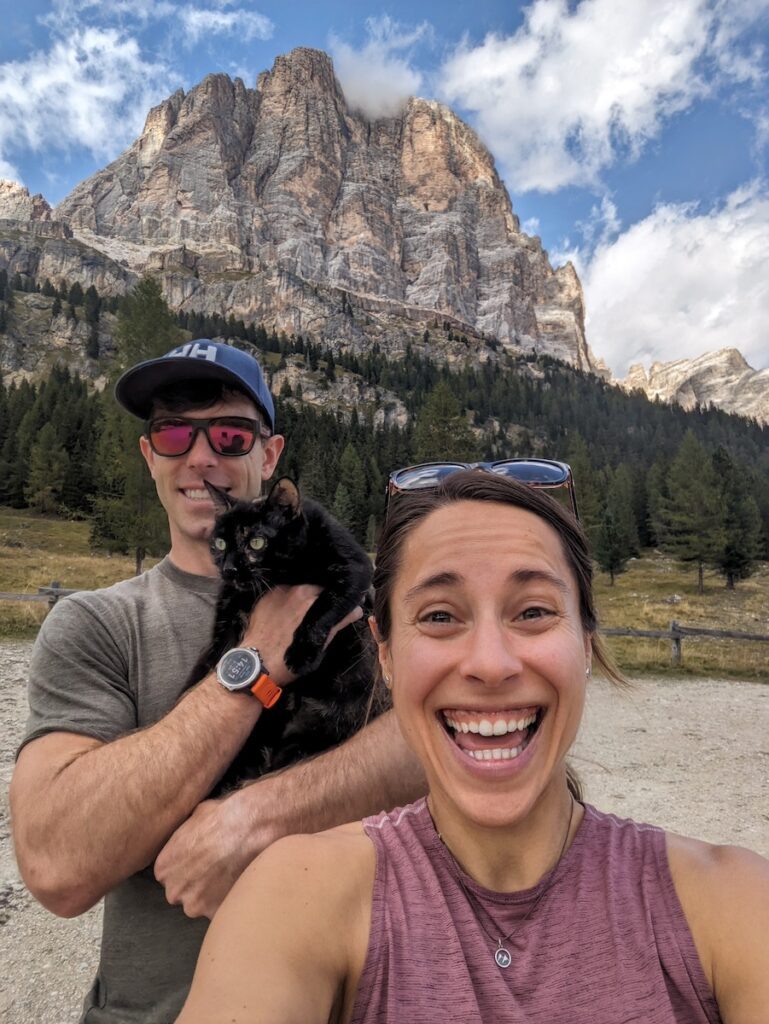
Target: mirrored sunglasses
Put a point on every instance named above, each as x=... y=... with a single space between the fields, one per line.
x=172 y=436
x=545 y=473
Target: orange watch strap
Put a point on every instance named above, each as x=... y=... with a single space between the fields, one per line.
x=267 y=690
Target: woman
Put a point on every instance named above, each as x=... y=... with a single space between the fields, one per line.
x=500 y=897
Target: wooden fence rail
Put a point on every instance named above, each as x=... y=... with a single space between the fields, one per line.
x=51 y=594
x=675 y=634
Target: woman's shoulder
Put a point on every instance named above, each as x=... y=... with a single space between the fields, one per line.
x=728 y=871
x=341 y=854
x=724 y=893
x=334 y=869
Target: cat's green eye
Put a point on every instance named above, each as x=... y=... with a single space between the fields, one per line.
x=257 y=543
x=220 y=543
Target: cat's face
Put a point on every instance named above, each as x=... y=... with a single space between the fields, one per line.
x=251 y=539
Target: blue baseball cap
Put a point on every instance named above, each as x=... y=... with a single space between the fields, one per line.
x=197 y=360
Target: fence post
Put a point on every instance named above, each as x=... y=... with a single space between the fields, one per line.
x=54 y=597
x=675 y=644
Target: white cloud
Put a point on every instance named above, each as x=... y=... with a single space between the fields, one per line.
x=72 y=14
x=578 y=87
x=683 y=282
x=377 y=80
x=91 y=89
x=199 y=23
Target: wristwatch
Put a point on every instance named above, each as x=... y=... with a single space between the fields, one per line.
x=242 y=669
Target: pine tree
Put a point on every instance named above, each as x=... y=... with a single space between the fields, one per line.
x=586 y=485
x=614 y=539
x=442 y=432
x=48 y=464
x=689 y=518
x=740 y=545
x=352 y=480
x=76 y=295
x=127 y=514
x=146 y=327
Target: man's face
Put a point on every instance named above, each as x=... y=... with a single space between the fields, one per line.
x=179 y=480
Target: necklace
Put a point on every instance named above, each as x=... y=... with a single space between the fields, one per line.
x=502 y=954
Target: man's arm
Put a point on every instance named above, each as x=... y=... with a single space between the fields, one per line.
x=88 y=814
x=372 y=771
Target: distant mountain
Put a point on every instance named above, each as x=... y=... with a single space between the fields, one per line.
x=282 y=205
x=722 y=379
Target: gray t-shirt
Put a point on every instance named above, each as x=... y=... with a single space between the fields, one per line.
x=105 y=663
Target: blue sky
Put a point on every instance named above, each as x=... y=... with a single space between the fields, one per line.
x=632 y=136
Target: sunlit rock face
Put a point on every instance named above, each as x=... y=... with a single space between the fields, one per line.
x=722 y=379
x=283 y=205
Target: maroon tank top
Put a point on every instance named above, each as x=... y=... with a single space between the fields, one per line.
x=608 y=942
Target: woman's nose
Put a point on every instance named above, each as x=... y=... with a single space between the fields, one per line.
x=492 y=656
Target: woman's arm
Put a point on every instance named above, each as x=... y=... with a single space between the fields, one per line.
x=288 y=941
x=724 y=891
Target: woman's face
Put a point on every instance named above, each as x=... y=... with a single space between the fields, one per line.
x=487 y=657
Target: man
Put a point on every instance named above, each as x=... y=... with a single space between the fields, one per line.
x=108 y=795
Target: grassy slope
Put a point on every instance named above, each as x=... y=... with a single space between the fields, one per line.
x=35 y=550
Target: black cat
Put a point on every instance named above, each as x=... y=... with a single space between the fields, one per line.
x=283 y=539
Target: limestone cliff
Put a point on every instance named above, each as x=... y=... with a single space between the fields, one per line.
x=722 y=379
x=282 y=205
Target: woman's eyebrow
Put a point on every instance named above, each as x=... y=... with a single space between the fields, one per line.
x=523 y=576
x=520 y=577
x=438 y=579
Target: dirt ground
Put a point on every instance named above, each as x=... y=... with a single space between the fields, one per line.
x=691 y=755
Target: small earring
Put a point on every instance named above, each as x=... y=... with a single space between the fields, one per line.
x=587 y=672
x=387 y=681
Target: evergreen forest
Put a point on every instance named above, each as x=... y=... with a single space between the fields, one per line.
x=694 y=484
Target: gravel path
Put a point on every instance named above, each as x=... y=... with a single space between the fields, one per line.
x=692 y=755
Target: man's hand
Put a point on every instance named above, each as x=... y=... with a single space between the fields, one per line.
x=206 y=855
x=274 y=621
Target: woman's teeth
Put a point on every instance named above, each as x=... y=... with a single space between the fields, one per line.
x=485 y=727
x=470 y=731
x=497 y=753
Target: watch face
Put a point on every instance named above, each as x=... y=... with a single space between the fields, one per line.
x=238 y=668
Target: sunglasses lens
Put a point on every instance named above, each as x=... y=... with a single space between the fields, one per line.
x=416 y=477
x=547 y=474
x=171 y=437
x=231 y=437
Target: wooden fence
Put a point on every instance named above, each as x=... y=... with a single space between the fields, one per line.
x=51 y=594
x=675 y=634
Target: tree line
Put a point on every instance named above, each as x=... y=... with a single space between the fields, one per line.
x=695 y=484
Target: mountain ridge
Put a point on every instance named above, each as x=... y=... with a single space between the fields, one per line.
x=722 y=379
x=282 y=205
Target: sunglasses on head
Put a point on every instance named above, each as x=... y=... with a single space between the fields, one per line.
x=544 y=473
x=172 y=436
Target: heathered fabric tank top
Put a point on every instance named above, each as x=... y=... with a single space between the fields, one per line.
x=607 y=944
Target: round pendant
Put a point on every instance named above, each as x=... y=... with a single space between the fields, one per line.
x=502 y=956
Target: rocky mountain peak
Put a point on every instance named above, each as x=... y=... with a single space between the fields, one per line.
x=17 y=204
x=283 y=204
x=723 y=379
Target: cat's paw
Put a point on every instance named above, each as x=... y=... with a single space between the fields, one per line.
x=303 y=655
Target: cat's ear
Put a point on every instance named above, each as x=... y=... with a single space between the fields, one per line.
x=285 y=494
x=221 y=499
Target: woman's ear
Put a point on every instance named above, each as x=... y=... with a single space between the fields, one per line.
x=382 y=652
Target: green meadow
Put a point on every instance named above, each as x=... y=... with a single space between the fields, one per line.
x=655 y=590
